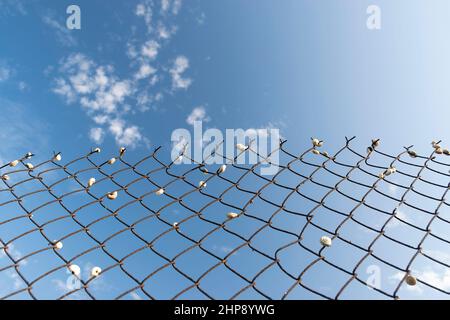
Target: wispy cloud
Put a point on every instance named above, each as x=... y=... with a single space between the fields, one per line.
x=13 y=7
x=145 y=11
x=393 y=189
x=265 y=130
x=135 y=296
x=14 y=253
x=5 y=73
x=63 y=34
x=20 y=131
x=150 y=49
x=97 y=134
x=180 y=65
x=172 y=6
x=197 y=114
x=395 y=222
x=23 y=86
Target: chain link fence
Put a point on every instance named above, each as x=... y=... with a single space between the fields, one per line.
x=351 y=225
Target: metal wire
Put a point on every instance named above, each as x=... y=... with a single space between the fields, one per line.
x=306 y=169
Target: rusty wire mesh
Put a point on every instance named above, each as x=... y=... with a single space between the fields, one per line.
x=180 y=243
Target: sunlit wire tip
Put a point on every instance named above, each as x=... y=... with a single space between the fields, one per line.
x=95 y=271
x=28 y=155
x=411 y=280
x=412 y=153
x=222 y=169
x=57 y=157
x=375 y=143
x=316 y=142
x=14 y=163
x=58 y=245
x=232 y=215
x=91 y=182
x=74 y=269
x=112 y=195
x=241 y=147
x=390 y=171
x=325 y=241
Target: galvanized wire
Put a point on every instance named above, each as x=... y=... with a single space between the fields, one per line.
x=317 y=162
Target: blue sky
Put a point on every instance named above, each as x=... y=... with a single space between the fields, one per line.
x=245 y=69
x=137 y=70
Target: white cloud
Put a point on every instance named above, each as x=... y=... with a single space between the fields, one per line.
x=102 y=94
x=60 y=285
x=127 y=136
x=266 y=130
x=135 y=296
x=63 y=34
x=197 y=114
x=150 y=49
x=12 y=7
x=17 y=281
x=176 y=6
x=23 y=86
x=5 y=73
x=145 y=71
x=393 y=189
x=180 y=65
x=165 y=32
x=131 y=51
x=14 y=253
x=151 y=18
x=438 y=255
x=432 y=277
x=165 y=4
x=144 y=10
x=96 y=87
x=395 y=222
x=96 y=135
x=438 y=280
x=172 y=6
